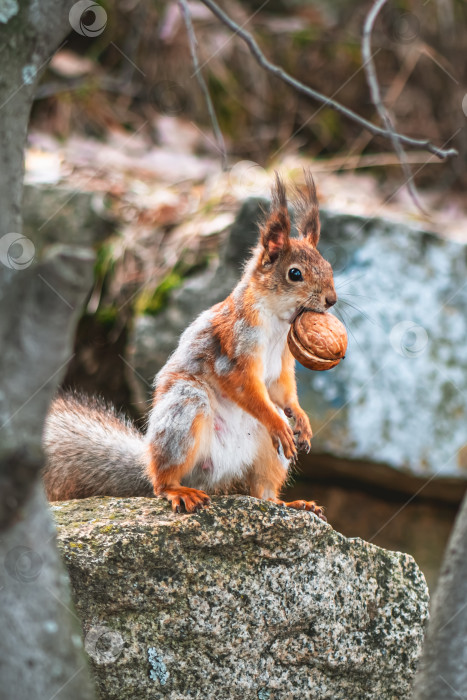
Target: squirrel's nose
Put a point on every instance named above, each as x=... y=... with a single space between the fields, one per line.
x=331 y=299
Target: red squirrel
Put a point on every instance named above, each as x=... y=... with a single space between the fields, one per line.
x=221 y=404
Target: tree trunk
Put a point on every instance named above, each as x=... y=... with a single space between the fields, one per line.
x=41 y=652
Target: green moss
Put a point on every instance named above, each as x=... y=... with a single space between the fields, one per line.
x=105 y=260
x=304 y=37
x=229 y=108
x=107 y=316
x=151 y=302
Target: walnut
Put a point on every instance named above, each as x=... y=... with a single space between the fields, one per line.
x=317 y=341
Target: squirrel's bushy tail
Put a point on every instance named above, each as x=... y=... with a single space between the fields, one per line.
x=90 y=451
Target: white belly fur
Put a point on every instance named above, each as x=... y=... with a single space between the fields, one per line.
x=276 y=339
x=231 y=442
x=229 y=447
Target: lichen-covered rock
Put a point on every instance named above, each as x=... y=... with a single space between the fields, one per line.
x=399 y=397
x=245 y=599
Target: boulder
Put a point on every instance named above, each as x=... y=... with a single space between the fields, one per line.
x=400 y=396
x=245 y=599
x=51 y=210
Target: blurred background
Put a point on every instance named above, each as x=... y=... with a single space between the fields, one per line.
x=121 y=141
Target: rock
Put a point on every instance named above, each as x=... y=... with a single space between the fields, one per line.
x=245 y=599
x=418 y=526
x=399 y=397
x=53 y=210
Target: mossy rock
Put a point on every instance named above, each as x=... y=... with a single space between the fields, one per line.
x=244 y=599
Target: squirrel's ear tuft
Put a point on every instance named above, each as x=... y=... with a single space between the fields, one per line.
x=307 y=210
x=275 y=232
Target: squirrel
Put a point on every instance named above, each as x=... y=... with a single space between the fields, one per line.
x=221 y=404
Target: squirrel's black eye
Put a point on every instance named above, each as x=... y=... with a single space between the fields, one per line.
x=295 y=275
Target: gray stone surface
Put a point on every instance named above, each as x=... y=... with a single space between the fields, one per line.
x=60 y=213
x=400 y=396
x=243 y=600
x=442 y=672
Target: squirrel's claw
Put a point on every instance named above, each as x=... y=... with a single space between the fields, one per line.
x=310 y=506
x=304 y=446
x=284 y=437
x=186 y=500
x=303 y=432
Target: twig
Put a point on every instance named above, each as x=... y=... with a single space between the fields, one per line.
x=202 y=83
x=319 y=97
x=408 y=65
x=372 y=80
x=370 y=160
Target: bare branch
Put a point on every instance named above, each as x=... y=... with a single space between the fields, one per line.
x=202 y=83
x=372 y=80
x=313 y=94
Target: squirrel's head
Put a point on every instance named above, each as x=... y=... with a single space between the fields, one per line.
x=299 y=277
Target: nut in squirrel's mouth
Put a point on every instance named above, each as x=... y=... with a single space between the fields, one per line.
x=301 y=310
x=317 y=340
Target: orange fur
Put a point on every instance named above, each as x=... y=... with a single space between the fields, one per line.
x=284 y=394
x=167 y=481
x=244 y=387
x=284 y=391
x=302 y=505
x=267 y=475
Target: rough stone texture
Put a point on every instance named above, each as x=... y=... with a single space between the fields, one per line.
x=442 y=673
x=55 y=211
x=399 y=397
x=243 y=600
x=420 y=527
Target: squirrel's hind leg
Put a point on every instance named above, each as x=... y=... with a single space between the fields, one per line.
x=311 y=506
x=184 y=499
x=269 y=470
x=177 y=430
x=269 y=474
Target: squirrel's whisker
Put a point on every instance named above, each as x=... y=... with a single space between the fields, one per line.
x=363 y=313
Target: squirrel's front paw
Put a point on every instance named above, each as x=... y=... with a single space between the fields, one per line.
x=302 y=430
x=283 y=435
